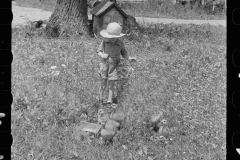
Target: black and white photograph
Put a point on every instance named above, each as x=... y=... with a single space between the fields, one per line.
x=119 y=80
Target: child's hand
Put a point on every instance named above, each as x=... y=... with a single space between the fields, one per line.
x=104 y=55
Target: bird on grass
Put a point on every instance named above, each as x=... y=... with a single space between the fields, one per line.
x=102 y=117
x=164 y=130
x=155 y=120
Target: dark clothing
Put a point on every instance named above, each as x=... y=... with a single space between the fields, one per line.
x=113 y=49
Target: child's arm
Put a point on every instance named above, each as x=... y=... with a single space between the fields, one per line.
x=124 y=52
x=100 y=51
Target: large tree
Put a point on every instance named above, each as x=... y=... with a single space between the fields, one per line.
x=69 y=18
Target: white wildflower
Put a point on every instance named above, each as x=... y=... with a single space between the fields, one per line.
x=56 y=73
x=53 y=67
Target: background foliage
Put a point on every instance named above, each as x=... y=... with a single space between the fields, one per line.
x=153 y=8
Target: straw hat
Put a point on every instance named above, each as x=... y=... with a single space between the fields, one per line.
x=113 y=30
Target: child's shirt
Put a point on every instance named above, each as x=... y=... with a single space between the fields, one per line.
x=113 y=49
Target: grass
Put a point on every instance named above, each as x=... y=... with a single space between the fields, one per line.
x=158 y=9
x=181 y=70
x=154 y=9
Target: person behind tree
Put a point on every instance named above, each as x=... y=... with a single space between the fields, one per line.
x=110 y=50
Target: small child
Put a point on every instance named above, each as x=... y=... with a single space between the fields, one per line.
x=110 y=50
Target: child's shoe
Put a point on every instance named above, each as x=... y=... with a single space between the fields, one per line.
x=115 y=101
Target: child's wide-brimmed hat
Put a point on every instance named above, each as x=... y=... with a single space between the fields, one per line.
x=113 y=30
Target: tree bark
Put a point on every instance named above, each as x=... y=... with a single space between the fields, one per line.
x=69 y=18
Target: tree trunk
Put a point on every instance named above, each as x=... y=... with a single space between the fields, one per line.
x=69 y=18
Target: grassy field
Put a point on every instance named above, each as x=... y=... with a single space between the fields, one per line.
x=155 y=9
x=181 y=69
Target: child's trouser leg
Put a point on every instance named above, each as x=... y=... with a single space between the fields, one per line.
x=111 y=90
x=102 y=88
x=103 y=72
x=112 y=77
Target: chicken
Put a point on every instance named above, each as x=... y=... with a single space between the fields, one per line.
x=164 y=130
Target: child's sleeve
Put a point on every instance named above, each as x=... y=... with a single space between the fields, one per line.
x=100 y=48
x=124 y=52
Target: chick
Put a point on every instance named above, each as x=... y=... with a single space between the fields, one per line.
x=102 y=117
x=112 y=125
x=118 y=117
x=155 y=119
x=107 y=135
x=164 y=130
x=83 y=115
x=100 y=112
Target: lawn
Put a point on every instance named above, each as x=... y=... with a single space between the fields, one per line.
x=154 y=9
x=181 y=69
